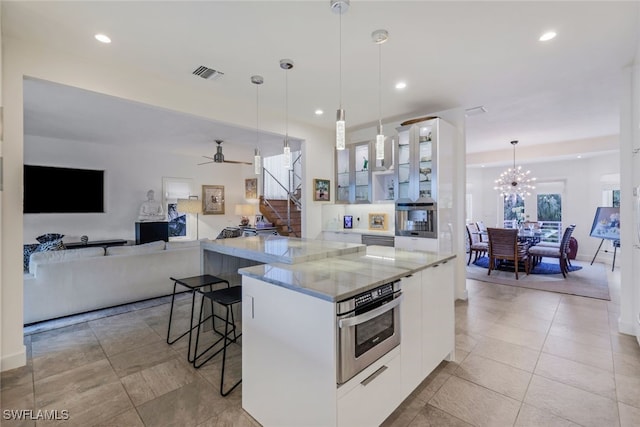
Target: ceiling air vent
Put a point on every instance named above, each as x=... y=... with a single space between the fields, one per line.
x=207 y=73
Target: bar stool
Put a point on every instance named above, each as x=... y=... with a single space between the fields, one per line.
x=192 y=283
x=227 y=298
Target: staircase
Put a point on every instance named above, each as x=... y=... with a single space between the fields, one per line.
x=275 y=212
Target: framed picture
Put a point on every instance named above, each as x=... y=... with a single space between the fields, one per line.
x=251 y=188
x=378 y=221
x=347 y=221
x=213 y=199
x=321 y=190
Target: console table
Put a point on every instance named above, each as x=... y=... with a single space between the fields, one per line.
x=95 y=243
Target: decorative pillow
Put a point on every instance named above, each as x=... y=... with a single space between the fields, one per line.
x=230 y=232
x=26 y=253
x=52 y=245
x=49 y=237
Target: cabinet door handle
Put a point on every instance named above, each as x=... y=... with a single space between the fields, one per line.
x=437 y=265
x=373 y=376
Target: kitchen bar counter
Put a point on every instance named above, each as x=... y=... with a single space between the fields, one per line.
x=345 y=276
x=280 y=249
x=289 y=326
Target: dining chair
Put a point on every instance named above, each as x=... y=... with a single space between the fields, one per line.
x=483 y=231
x=503 y=246
x=476 y=246
x=561 y=252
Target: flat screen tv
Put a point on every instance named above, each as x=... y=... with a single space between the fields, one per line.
x=49 y=189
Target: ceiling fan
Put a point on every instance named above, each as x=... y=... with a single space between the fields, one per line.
x=219 y=157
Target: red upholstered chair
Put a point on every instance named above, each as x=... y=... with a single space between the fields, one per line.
x=503 y=246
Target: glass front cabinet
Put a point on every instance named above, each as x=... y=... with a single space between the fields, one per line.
x=419 y=146
x=353 y=174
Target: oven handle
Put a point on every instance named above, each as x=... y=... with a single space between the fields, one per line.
x=365 y=317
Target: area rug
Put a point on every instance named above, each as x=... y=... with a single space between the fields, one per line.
x=587 y=281
x=540 y=268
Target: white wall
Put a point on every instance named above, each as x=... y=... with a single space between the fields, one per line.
x=21 y=59
x=129 y=173
x=583 y=194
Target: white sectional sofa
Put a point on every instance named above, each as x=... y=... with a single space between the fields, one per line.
x=61 y=283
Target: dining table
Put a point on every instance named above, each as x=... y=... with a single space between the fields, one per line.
x=532 y=237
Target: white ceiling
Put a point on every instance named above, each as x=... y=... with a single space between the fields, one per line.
x=451 y=54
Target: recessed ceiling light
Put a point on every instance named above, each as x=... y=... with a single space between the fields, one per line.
x=481 y=166
x=547 y=36
x=579 y=156
x=102 y=38
x=319 y=112
x=401 y=85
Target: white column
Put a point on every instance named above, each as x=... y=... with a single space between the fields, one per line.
x=628 y=322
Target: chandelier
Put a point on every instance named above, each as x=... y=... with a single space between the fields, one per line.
x=515 y=181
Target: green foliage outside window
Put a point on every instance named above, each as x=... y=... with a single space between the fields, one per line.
x=549 y=207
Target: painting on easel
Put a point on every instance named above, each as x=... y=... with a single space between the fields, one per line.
x=606 y=223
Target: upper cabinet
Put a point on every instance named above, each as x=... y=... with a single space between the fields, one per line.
x=353 y=174
x=419 y=154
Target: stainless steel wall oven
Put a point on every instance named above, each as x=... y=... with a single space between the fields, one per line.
x=368 y=326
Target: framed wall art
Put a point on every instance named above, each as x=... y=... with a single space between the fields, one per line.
x=251 y=188
x=321 y=190
x=378 y=221
x=213 y=199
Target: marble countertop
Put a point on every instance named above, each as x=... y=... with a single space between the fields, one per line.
x=347 y=275
x=281 y=249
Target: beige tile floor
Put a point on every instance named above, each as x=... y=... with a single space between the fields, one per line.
x=523 y=358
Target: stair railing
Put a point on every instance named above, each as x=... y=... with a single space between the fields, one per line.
x=291 y=197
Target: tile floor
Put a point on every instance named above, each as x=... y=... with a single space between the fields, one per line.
x=523 y=358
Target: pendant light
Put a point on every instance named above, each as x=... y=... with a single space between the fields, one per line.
x=379 y=37
x=515 y=182
x=340 y=7
x=286 y=65
x=257 y=160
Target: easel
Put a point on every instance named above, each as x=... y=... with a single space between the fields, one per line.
x=616 y=245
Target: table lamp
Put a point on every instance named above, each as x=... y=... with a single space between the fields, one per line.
x=191 y=206
x=244 y=210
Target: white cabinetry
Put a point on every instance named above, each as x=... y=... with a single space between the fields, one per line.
x=353 y=174
x=438 y=315
x=288 y=356
x=425 y=171
x=428 y=331
x=369 y=398
x=416 y=243
x=411 y=330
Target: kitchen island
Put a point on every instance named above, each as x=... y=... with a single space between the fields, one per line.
x=289 y=356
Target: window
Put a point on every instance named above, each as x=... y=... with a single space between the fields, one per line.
x=513 y=209
x=549 y=207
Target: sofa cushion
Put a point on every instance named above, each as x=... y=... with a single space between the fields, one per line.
x=66 y=255
x=49 y=237
x=27 y=250
x=137 y=249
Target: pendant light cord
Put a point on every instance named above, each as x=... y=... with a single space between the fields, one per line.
x=380 y=85
x=340 y=54
x=257 y=119
x=286 y=104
